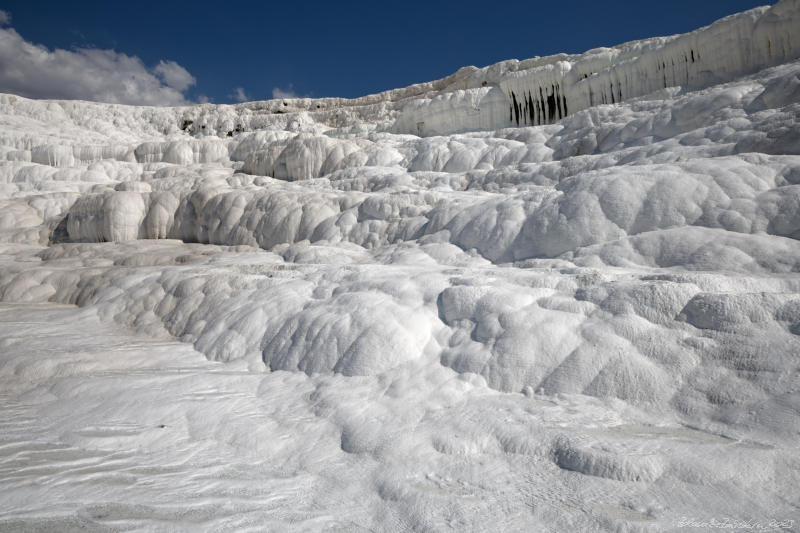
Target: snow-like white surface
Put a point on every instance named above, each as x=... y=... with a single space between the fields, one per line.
x=402 y=313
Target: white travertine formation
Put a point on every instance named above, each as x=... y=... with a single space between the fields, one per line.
x=556 y=294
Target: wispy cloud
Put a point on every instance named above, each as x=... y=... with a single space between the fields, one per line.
x=35 y=71
x=277 y=92
x=238 y=95
x=174 y=75
x=5 y=18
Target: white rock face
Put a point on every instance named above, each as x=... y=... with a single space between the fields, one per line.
x=405 y=312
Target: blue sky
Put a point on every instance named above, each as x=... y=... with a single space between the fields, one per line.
x=257 y=49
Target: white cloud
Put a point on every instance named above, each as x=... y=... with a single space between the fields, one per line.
x=35 y=71
x=174 y=75
x=5 y=18
x=239 y=95
x=277 y=92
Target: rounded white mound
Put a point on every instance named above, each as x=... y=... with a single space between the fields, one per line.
x=549 y=294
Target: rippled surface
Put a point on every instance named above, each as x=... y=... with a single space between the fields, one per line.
x=314 y=325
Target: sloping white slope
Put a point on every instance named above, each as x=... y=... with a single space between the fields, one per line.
x=507 y=325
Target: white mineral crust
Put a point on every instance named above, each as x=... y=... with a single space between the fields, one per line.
x=558 y=294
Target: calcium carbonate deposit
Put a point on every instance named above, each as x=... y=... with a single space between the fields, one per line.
x=558 y=294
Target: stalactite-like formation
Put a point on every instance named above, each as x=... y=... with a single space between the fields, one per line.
x=731 y=47
x=544 y=90
x=543 y=105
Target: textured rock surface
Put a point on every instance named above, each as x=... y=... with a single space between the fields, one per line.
x=401 y=312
